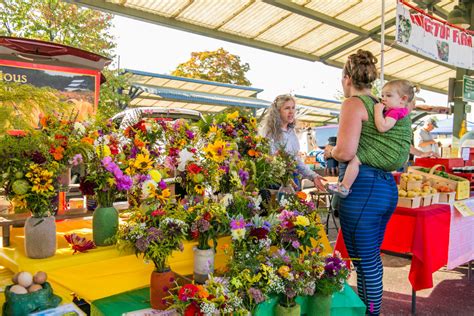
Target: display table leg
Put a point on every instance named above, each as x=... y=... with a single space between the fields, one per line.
x=469 y=270
x=413 y=301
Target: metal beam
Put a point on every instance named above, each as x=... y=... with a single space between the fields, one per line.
x=113 y=8
x=317 y=16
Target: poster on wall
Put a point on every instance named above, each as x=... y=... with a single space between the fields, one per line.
x=73 y=85
x=433 y=38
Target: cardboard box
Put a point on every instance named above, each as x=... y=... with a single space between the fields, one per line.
x=414 y=202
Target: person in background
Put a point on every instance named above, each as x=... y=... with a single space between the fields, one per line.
x=332 y=165
x=278 y=126
x=397 y=96
x=424 y=140
x=364 y=214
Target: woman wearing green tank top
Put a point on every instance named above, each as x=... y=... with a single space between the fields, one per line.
x=365 y=212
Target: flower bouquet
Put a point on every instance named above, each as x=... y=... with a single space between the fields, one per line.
x=212 y=298
x=207 y=221
x=154 y=234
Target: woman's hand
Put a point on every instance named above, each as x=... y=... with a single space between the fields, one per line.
x=318 y=182
x=327 y=152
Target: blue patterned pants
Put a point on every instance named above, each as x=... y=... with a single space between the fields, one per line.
x=364 y=215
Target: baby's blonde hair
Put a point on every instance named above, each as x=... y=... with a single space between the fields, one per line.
x=404 y=87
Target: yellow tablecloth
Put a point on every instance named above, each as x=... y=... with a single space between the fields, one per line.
x=100 y=272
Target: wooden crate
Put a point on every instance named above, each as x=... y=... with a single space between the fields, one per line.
x=414 y=202
x=447 y=197
x=459 y=185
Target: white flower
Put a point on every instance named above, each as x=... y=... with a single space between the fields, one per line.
x=79 y=128
x=227 y=199
x=184 y=157
x=148 y=187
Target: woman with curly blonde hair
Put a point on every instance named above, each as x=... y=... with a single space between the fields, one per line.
x=278 y=126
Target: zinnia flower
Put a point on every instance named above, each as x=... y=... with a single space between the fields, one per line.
x=187 y=291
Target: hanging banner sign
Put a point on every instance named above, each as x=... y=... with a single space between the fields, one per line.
x=434 y=38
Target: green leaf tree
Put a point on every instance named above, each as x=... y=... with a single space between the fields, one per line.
x=59 y=22
x=218 y=65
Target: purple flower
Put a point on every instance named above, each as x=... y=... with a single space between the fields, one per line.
x=256 y=295
x=203 y=225
x=124 y=183
x=190 y=134
x=162 y=185
x=38 y=157
x=142 y=244
x=154 y=234
x=295 y=244
x=237 y=223
x=77 y=159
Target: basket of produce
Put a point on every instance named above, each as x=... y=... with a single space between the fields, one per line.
x=443 y=181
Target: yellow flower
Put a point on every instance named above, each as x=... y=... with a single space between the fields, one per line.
x=111 y=181
x=253 y=121
x=103 y=151
x=284 y=271
x=199 y=188
x=233 y=116
x=218 y=151
x=213 y=129
x=155 y=175
x=300 y=233
x=143 y=162
x=302 y=220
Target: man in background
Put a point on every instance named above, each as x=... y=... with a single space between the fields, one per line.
x=424 y=140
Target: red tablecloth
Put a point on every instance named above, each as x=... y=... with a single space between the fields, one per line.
x=423 y=232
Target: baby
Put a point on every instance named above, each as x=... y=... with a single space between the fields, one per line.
x=397 y=96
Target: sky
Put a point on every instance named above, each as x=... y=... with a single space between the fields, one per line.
x=149 y=47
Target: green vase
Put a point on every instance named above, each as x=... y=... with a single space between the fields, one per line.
x=104 y=225
x=281 y=310
x=319 y=304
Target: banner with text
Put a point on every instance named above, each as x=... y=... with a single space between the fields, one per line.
x=433 y=38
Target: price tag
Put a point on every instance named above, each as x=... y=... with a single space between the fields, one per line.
x=465 y=207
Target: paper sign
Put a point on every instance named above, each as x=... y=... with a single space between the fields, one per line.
x=465 y=207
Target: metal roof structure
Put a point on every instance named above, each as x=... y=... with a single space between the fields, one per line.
x=326 y=31
x=166 y=91
x=158 y=90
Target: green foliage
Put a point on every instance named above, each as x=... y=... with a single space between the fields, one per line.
x=21 y=104
x=111 y=99
x=58 y=21
x=218 y=65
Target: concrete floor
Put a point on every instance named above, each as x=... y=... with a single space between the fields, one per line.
x=452 y=293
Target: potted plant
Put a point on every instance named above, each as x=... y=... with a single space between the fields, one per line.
x=331 y=274
x=155 y=232
x=207 y=221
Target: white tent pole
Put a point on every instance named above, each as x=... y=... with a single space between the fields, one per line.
x=382 y=44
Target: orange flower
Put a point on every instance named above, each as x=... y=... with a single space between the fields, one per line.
x=301 y=195
x=202 y=292
x=253 y=153
x=44 y=121
x=87 y=140
x=138 y=143
x=58 y=153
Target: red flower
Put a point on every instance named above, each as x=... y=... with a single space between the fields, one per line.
x=207 y=216
x=193 y=168
x=193 y=309
x=158 y=212
x=79 y=243
x=259 y=233
x=186 y=292
x=195 y=234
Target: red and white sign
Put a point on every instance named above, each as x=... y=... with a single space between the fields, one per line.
x=433 y=37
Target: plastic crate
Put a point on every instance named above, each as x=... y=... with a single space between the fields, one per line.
x=448 y=163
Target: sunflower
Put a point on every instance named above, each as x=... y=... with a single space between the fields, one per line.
x=218 y=151
x=233 y=116
x=253 y=121
x=199 y=188
x=143 y=162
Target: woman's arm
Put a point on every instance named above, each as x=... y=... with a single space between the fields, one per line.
x=383 y=124
x=353 y=113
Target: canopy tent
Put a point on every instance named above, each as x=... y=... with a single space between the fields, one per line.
x=325 y=31
x=446 y=127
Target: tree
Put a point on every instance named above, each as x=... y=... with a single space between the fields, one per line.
x=218 y=65
x=59 y=22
